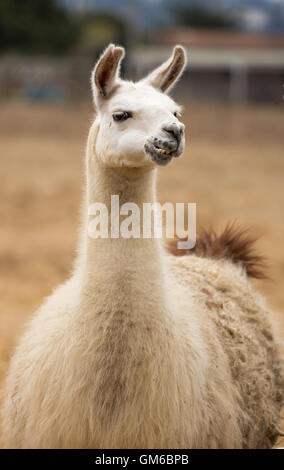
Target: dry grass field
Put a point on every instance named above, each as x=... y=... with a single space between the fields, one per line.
x=233 y=168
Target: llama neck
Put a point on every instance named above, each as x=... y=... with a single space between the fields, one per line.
x=122 y=269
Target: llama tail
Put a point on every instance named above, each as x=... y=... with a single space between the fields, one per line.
x=233 y=243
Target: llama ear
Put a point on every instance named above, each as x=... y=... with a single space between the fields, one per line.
x=106 y=72
x=165 y=76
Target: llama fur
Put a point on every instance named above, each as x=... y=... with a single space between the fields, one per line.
x=140 y=348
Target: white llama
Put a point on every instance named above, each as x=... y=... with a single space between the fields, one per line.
x=140 y=348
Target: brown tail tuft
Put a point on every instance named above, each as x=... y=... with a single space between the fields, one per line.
x=233 y=243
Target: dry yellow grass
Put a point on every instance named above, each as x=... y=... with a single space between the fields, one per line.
x=233 y=168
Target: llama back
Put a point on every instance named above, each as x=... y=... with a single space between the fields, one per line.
x=243 y=328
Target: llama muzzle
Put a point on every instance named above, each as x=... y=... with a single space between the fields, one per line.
x=170 y=144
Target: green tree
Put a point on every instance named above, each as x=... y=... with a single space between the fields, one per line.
x=199 y=14
x=101 y=28
x=36 y=27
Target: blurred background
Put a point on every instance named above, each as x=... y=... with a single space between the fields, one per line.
x=232 y=90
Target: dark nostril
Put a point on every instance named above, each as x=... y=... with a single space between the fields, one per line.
x=171 y=132
x=174 y=130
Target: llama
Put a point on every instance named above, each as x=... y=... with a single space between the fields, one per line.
x=140 y=348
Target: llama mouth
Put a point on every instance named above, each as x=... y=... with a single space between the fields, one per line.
x=157 y=154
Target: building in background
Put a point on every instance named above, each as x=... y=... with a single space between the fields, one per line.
x=224 y=65
x=235 y=47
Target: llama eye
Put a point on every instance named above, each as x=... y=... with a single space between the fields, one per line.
x=121 y=116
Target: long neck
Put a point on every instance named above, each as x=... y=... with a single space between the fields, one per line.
x=122 y=269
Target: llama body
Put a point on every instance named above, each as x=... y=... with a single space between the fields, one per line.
x=140 y=349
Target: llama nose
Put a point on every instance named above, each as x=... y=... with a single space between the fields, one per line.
x=175 y=130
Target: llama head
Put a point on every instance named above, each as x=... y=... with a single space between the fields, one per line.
x=138 y=122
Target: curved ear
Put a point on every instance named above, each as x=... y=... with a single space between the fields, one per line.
x=165 y=76
x=106 y=72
